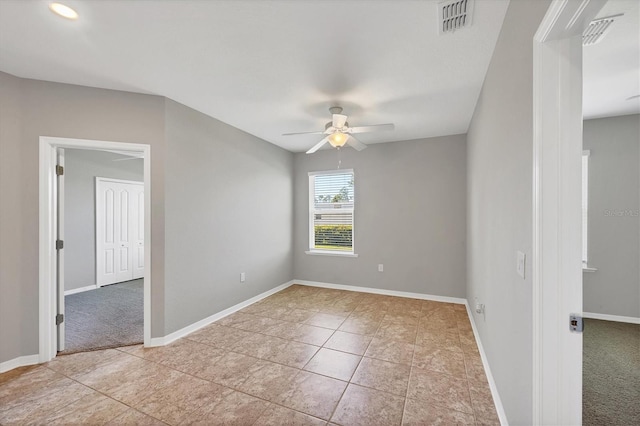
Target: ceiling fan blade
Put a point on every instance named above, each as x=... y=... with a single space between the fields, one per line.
x=355 y=143
x=318 y=145
x=373 y=128
x=304 y=133
x=339 y=120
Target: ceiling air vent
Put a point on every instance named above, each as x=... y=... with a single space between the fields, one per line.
x=597 y=29
x=454 y=15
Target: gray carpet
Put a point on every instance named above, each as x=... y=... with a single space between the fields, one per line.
x=611 y=373
x=107 y=317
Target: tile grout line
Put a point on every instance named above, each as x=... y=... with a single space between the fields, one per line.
x=413 y=355
x=352 y=374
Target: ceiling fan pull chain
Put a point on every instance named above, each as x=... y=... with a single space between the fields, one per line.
x=339 y=159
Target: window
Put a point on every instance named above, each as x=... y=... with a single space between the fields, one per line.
x=585 y=204
x=331 y=202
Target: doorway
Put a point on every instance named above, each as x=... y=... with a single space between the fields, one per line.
x=52 y=270
x=102 y=194
x=611 y=222
x=556 y=261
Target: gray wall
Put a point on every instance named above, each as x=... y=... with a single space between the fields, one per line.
x=12 y=292
x=500 y=141
x=614 y=235
x=30 y=109
x=52 y=109
x=410 y=215
x=229 y=204
x=81 y=169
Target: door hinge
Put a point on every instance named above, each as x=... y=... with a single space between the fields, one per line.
x=59 y=170
x=576 y=323
x=59 y=319
x=59 y=244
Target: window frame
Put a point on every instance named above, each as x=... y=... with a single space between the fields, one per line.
x=586 y=154
x=313 y=211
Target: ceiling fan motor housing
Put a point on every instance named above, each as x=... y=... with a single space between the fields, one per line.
x=329 y=124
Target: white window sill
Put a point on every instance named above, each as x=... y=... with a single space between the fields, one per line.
x=586 y=268
x=330 y=253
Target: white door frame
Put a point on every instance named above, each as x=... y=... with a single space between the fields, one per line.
x=47 y=234
x=557 y=237
x=60 y=253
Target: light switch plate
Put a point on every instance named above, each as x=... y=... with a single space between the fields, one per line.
x=521 y=263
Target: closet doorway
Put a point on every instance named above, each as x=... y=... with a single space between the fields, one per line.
x=119 y=230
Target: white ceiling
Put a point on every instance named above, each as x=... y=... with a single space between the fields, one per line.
x=267 y=67
x=612 y=66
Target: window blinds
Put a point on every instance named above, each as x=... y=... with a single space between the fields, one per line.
x=331 y=211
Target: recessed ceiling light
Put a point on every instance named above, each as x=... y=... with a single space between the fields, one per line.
x=64 y=11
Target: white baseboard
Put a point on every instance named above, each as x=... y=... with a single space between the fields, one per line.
x=421 y=296
x=607 y=317
x=80 y=290
x=21 y=361
x=172 y=337
x=485 y=363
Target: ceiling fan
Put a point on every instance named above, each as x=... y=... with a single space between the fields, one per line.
x=338 y=133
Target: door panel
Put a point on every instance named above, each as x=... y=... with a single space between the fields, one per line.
x=123 y=247
x=106 y=233
x=109 y=209
x=109 y=262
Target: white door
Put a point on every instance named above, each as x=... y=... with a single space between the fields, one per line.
x=117 y=217
x=60 y=251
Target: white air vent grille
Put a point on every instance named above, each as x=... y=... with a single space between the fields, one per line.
x=454 y=15
x=597 y=29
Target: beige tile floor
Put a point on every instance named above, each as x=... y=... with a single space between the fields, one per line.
x=303 y=356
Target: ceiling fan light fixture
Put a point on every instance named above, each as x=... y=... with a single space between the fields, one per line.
x=338 y=139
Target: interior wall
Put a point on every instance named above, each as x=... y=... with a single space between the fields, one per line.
x=38 y=108
x=81 y=169
x=11 y=223
x=229 y=205
x=410 y=215
x=614 y=220
x=500 y=176
x=234 y=190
